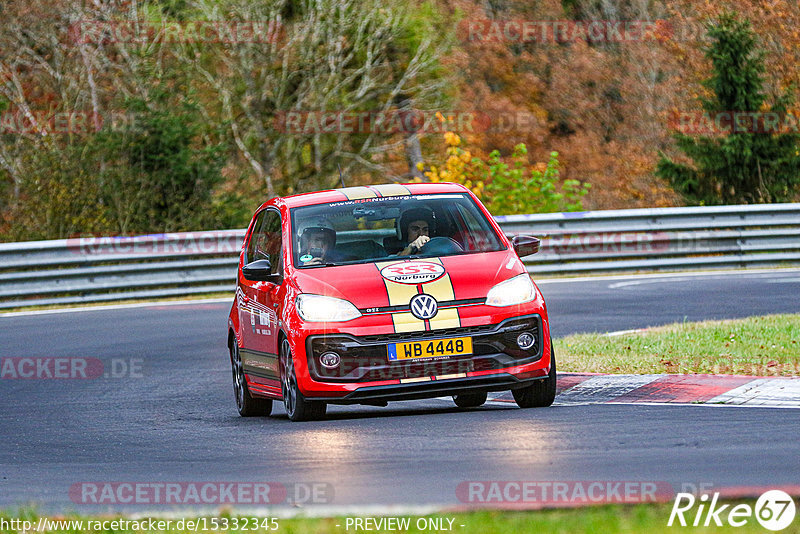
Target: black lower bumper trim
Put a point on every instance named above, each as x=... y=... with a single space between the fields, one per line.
x=427 y=390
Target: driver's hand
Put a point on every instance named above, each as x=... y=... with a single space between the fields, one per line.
x=313 y=261
x=419 y=242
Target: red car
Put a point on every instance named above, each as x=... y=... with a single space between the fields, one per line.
x=365 y=295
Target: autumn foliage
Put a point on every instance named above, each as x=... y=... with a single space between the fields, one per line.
x=605 y=107
x=508 y=187
x=78 y=109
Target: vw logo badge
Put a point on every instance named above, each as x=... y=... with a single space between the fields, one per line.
x=424 y=306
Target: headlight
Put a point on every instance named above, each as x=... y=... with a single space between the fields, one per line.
x=321 y=309
x=513 y=291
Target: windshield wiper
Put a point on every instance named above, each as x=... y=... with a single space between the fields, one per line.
x=328 y=264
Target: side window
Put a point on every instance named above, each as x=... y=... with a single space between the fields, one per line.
x=265 y=243
x=470 y=219
x=251 y=246
x=477 y=234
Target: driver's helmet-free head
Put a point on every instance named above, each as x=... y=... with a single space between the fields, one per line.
x=309 y=226
x=415 y=214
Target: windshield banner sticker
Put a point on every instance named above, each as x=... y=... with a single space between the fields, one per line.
x=413 y=272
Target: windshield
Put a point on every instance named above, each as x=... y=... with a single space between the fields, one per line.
x=386 y=228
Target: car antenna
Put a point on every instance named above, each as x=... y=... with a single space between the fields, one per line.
x=340 y=174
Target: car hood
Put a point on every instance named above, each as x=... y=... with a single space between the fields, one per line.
x=467 y=276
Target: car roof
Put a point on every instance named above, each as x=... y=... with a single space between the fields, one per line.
x=370 y=191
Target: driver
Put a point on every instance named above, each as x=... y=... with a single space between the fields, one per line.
x=416 y=226
x=317 y=239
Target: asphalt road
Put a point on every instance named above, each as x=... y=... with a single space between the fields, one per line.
x=173 y=418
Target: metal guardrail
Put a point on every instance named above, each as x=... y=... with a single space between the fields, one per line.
x=78 y=270
x=661 y=238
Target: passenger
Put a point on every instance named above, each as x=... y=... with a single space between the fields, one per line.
x=416 y=226
x=317 y=239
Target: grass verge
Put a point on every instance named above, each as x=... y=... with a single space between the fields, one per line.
x=763 y=346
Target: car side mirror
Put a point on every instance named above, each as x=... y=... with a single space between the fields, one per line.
x=260 y=271
x=525 y=245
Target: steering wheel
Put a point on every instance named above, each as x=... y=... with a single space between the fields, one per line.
x=441 y=245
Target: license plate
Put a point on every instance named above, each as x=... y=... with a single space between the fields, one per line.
x=435 y=348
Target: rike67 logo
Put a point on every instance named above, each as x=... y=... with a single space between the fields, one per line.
x=774 y=510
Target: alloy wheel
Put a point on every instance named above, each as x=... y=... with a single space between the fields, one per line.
x=288 y=379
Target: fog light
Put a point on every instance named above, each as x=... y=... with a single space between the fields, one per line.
x=526 y=340
x=331 y=360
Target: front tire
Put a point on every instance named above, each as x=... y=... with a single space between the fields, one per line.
x=470 y=400
x=295 y=404
x=247 y=405
x=541 y=393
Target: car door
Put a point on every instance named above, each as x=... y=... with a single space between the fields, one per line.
x=258 y=315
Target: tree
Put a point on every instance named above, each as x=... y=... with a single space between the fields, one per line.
x=160 y=172
x=205 y=142
x=746 y=164
x=334 y=56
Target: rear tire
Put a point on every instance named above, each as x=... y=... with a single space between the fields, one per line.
x=470 y=400
x=295 y=404
x=247 y=405
x=541 y=393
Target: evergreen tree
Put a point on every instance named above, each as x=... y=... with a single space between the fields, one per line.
x=758 y=165
x=159 y=173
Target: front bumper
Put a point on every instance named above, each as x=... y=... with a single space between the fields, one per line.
x=431 y=389
x=364 y=359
